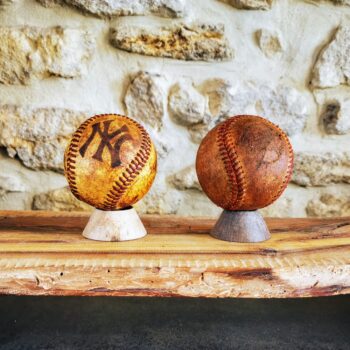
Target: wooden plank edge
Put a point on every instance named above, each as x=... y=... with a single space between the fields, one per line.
x=76 y=221
x=178 y=282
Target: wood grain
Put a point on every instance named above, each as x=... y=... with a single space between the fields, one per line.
x=44 y=253
x=245 y=226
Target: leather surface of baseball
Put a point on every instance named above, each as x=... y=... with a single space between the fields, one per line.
x=110 y=162
x=244 y=163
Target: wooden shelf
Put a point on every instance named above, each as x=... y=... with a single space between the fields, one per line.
x=43 y=253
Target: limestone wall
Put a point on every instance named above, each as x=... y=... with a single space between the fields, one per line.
x=179 y=67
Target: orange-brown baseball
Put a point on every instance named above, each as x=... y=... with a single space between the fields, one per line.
x=244 y=163
x=110 y=162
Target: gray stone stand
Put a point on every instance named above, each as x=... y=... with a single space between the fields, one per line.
x=241 y=226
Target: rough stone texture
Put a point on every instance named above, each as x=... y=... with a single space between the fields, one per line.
x=162 y=146
x=221 y=95
x=4 y=3
x=333 y=64
x=251 y=4
x=38 y=136
x=193 y=42
x=18 y=184
x=186 y=179
x=224 y=100
x=336 y=117
x=111 y=8
x=329 y=205
x=159 y=201
x=144 y=99
x=270 y=42
x=13 y=180
x=186 y=104
x=321 y=169
x=334 y=109
x=280 y=209
x=29 y=52
x=18 y=178
x=16 y=201
x=198 y=132
x=275 y=86
x=284 y=106
x=60 y=199
x=340 y=2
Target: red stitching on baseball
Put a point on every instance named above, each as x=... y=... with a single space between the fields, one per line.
x=233 y=166
x=70 y=159
x=131 y=172
x=290 y=162
x=234 y=169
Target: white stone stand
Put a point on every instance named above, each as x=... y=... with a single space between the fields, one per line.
x=114 y=226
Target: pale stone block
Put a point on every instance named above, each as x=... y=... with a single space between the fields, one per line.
x=145 y=99
x=58 y=200
x=192 y=42
x=329 y=205
x=31 y=52
x=112 y=8
x=38 y=136
x=332 y=67
x=321 y=169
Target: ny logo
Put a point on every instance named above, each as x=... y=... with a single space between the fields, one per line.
x=108 y=140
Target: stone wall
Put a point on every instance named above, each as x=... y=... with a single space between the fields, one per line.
x=179 y=67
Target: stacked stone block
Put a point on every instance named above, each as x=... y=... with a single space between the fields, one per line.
x=179 y=67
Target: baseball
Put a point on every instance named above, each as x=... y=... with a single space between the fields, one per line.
x=244 y=163
x=110 y=162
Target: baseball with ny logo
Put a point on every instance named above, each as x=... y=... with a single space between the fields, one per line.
x=110 y=162
x=112 y=141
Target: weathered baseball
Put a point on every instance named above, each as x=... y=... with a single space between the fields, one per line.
x=110 y=162
x=244 y=163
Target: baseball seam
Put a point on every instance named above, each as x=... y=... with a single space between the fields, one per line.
x=232 y=164
x=124 y=180
x=290 y=162
x=131 y=172
x=70 y=161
